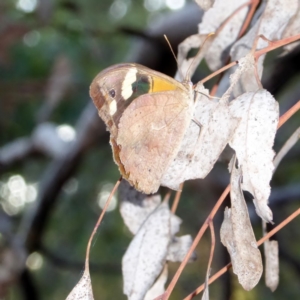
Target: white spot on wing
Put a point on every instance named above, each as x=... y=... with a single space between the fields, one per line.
x=112 y=107
x=130 y=78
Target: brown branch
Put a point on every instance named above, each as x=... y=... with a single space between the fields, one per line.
x=177 y=198
x=250 y=14
x=276 y=44
x=218 y=72
x=289 y=114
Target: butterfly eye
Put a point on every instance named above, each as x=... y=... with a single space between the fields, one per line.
x=112 y=93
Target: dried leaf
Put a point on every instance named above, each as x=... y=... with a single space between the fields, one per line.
x=246 y=66
x=179 y=248
x=271 y=24
x=271 y=264
x=83 y=289
x=212 y=20
x=158 y=287
x=202 y=144
x=205 y=295
x=205 y=4
x=253 y=141
x=189 y=65
x=291 y=29
x=146 y=254
x=135 y=207
x=238 y=237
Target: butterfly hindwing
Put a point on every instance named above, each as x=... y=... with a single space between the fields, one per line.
x=149 y=135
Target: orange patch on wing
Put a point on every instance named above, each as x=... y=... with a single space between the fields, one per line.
x=159 y=85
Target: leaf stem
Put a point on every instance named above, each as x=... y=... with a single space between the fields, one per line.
x=288 y=114
x=177 y=198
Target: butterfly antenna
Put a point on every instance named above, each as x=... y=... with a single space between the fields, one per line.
x=166 y=38
x=188 y=77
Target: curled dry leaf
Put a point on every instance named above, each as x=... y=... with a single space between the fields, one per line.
x=158 y=287
x=238 y=237
x=153 y=244
x=212 y=20
x=203 y=142
x=253 y=141
x=271 y=264
x=83 y=289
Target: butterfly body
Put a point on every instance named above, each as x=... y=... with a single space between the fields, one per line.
x=147 y=114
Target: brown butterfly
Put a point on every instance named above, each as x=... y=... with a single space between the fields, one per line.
x=147 y=114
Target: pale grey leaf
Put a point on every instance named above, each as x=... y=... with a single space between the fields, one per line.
x=253 y=140
x=135 y=207
x=205 y=295
x=179 y=248
x=246 y=66
x=187 y=66
x=238 y=237
x=291 y=29
x=158 y=287
x=203 y=142
x=249 y=268
x=146 y=254
x=271 y=24
x=205 y=4
x=83 y=289
x=271 y=264
x=213 y=19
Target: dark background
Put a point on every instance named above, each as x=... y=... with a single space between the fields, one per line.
x=51 y=181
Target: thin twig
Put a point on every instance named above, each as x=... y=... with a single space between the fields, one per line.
x=167 y=196
x=213 y=244
x=211 y=255
x=249 y=17
x=177 y=198
x=288 y=145
x=288 y=114
x=276 y=44
x=88 y=248
x=218 y=72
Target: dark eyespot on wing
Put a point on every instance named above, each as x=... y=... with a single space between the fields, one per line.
x=112 y=93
